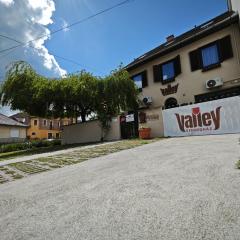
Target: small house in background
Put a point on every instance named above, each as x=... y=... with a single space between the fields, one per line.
x=42 y=128
x=11 y=130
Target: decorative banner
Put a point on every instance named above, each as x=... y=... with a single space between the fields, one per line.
x=214 y=117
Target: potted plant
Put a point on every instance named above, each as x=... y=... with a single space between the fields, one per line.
x=144 y=131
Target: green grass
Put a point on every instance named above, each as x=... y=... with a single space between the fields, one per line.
x=27 y=168
x=39 y=165
x=29 y=152
x=238 y=164
x=10 y=172
x=17 y=176
x=2 y=179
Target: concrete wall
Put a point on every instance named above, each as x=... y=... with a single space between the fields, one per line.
x=193 y=83
x=5 y=134
x=90 y=132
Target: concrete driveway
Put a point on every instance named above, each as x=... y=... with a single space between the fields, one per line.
x=184 y=188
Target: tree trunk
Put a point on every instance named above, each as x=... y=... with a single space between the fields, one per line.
x=83 y=117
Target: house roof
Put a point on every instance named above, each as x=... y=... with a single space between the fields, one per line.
x=20 y=115
x=198 y=32
x=4 y=120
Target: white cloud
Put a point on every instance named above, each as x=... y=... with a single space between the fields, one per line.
x=7 y=2
x=24 y=21
x=46 y=8
x=6 y=111
x=64 y=25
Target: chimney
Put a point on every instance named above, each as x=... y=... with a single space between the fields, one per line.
x=170 y=38
x=229 y=5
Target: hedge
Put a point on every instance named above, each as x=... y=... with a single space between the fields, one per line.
x=28 y=145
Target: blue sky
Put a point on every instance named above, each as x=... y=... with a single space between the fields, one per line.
x=102 y=43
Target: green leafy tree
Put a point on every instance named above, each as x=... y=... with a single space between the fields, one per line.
x=76 y=95
x=20 y=88
x=116 y=93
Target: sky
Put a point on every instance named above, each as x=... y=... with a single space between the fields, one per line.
x=100 y=44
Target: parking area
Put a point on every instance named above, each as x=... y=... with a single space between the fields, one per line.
x=179 y=188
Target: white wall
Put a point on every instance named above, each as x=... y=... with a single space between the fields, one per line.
x=90 y=132
x=214 y=117
x=236 y=5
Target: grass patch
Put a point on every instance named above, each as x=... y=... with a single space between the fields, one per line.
x=10 y=172
x=238 y=164
x=2 y=179
x=59 y=161
x=17 y=176
x=29 y=152
x=27 y=168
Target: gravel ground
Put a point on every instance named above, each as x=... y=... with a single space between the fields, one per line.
x=176 y=189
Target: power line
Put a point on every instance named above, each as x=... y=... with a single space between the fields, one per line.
x=57 y=56
x=70 y=25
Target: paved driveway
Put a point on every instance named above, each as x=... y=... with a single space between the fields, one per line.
x=184 y=188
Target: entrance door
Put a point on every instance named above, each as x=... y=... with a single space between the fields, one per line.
x=129 y=125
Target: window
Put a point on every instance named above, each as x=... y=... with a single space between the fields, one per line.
x=230 y=92
x=45 y=122
x=167 y=71
x=51 y=125
x=50 y=136
x=140 y=80
x=210 y=55
x=57 y=135
x=35 y=122
x=33 y=133
x=14 y=133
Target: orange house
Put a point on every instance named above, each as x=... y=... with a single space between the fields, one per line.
x=42 y=128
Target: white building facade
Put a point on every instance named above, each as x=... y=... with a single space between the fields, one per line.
x=235 y=5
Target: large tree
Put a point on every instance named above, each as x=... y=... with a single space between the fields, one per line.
x=20 y=90
x=76 y=95
x=116 y=93
x=80 y=92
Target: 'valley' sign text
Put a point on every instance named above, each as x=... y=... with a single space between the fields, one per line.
x=198 y=121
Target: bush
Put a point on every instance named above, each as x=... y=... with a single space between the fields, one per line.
x=14 y=147
x=238 y=164
x=28 y=145
x=56 y=142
